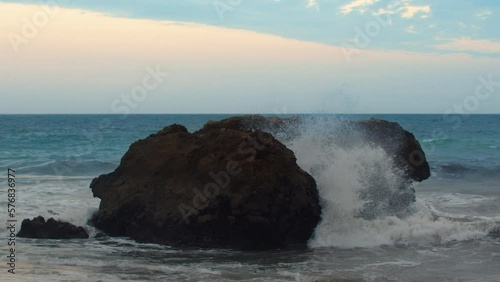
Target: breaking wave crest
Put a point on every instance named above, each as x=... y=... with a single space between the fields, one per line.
x=365 y=197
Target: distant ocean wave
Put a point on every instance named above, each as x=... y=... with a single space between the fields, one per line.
x=440 y=141
x=69 y=168
x=465 y=170
x=475 y=144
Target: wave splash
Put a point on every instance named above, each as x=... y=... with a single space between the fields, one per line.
x=366 y=199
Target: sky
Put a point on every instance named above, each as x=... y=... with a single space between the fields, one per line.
x=242 y=56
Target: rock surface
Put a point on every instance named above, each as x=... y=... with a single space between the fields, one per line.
x=382 y=196
x=397 y=142
x=271 y=124
x=495 y=232
x=388 y=194
x=394 y=139
x=222 y=186
x=51 y=229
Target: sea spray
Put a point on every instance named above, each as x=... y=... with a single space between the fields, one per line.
x=367 y=200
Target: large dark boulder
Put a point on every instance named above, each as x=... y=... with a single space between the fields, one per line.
x=51 y=229
x=223 y=186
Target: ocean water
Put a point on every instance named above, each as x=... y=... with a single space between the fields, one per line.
x=443 y=237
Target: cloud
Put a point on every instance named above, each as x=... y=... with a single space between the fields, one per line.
x=357 y=5
x=312 y=4
x=474 y=45
x=405 y=10
x=483 y=15
x=409 y=11
x=411 y=29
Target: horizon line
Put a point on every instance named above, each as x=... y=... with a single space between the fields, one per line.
x=276 y=114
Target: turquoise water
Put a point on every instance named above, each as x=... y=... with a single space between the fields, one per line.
x=445 y=239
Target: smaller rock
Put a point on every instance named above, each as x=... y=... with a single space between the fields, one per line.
x=51 y=229
x=495 y=232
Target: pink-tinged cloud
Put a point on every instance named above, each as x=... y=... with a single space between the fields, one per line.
x=409 y=11
x=357 y=5
x=465 y=44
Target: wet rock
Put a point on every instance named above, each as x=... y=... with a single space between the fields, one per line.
x=495 y=232
x=388 y=191
x=223 y=186
x=51 y=229
x=394 y=139
x=398 y=143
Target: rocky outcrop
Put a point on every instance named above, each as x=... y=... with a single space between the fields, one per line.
x=397 y=142
x=271 y=124
x=223 y=186
x=233 y=185
x=51 y=229
x=381 y=197
x=394 y=139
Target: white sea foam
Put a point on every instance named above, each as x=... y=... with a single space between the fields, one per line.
x=459 y=199
x=345 y=175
